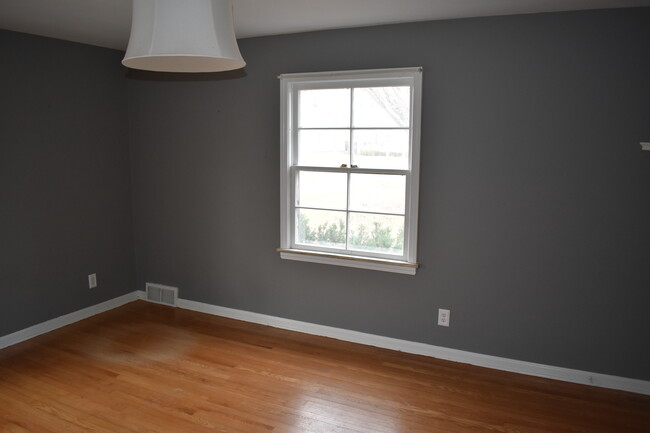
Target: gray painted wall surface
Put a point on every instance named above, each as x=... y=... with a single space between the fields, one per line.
x=535 y=195
x=65 y=203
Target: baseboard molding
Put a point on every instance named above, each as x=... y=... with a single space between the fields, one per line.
x=505 y=364
x=59 y=322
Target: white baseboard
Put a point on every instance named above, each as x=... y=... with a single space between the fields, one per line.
x=59 y=322
x=505 y=364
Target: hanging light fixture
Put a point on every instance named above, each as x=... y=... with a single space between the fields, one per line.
x=183 y=36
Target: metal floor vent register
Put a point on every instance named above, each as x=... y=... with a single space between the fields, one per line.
x=160 y=294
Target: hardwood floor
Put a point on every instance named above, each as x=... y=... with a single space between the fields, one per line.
x=148 y=368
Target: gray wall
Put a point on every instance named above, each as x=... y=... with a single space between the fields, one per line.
x=534 y=192
x=65 y=204
x=535 y=195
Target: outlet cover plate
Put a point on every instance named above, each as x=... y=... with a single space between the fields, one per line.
x=443 y=317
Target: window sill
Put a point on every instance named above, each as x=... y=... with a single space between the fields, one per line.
x=350 y=261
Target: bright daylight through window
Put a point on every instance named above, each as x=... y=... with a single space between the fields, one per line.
x=350 y=168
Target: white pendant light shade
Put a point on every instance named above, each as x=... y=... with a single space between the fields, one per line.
x=183 y=36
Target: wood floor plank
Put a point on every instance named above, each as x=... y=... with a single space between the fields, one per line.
x=150 y=368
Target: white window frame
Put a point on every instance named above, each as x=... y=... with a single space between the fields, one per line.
x=290 y=85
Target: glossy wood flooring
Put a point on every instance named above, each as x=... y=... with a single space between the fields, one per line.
x=149 y=368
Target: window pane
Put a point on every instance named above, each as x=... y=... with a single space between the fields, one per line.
x=381 y=148
x=320 y=227
x=377 y=193
x=327 y=108
x=382 y=107
x=321 y=190
x=377 y=233
x=324 y=147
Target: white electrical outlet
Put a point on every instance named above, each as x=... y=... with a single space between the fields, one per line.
x=443 y=317
x=92 y=281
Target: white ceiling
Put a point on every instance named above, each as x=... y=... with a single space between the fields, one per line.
x=106 y=23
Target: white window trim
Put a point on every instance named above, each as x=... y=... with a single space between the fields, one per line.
x=289 y=84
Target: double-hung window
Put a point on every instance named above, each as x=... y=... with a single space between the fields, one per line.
x=350 y=168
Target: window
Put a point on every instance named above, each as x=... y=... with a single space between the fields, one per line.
x=350 y=168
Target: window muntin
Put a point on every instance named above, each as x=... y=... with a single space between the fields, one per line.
x=350 y=163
